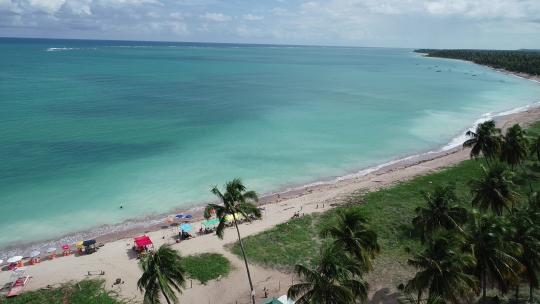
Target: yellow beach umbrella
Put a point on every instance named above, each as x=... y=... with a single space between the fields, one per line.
x=79 y=244
x=229 y=217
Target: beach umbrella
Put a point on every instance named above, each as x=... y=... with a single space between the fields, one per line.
x=14 y=259
x=211 y=222
x=184 y=216
x=186 y=227
x=51 y=250
x=283 y=299
x=79 y=244
x=34 y=253
x=65 y=247
x=89 y=243
x=229 y=217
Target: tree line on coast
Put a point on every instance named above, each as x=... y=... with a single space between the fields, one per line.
x=493 y=245
x=522 y=61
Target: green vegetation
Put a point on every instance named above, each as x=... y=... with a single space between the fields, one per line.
x=84 y=292
x=390 y=212
x=285 y=245
x=236 y=200
x=337 y=278
x=523 y=61
x=163 y=273
x=338 y=274
x=207 y=266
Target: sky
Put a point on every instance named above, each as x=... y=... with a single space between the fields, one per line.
x=490 y=24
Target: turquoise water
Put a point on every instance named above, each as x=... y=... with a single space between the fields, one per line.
x=87 y=126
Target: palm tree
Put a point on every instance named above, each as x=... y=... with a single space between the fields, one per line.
x=441 y=211
x=162 y=272
x=335 y=279
x=535 y=147
x=485 y=140
x=352 y=235
x=495 y=254
x=442 y=268
x=494 y=189
x=407 y=297
x=235 y=200
x=515 y=146
x=527 y=234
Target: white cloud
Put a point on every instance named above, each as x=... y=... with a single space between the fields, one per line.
x=217 y=17
x=11 y=6
x=504 y=9
x=343 y=22
x=47 y=6
x=251 y=17
x=120 y=3
x=79 y=7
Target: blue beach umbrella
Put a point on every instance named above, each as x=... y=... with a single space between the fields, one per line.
x=184 y=216
x=210 y=223
x=186 y=227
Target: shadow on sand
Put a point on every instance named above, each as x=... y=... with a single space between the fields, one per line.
x=383 y=296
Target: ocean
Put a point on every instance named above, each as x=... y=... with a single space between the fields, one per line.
x=88 y=126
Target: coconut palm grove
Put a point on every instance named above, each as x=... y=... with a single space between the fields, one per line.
x=484 y=250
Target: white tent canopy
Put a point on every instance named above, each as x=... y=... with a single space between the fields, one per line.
x=283 y=299
x=51 y=250
x=34 y=253
x=15 y=259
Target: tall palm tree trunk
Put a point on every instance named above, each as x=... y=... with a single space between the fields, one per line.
x=484 y=285
x=245 y=260
x=456 y=225
x=530 y=293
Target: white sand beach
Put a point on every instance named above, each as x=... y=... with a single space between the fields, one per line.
x=117 y=260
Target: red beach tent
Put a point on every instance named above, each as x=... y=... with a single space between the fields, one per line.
x=143 y=241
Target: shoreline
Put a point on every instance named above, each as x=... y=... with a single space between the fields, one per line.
x=157 y=222
x=116 y=258
x=534 y=78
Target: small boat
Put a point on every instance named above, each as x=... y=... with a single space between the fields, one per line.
x=18 y=286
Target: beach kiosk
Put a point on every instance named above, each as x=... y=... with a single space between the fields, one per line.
x=89 y=246
x=142 y=244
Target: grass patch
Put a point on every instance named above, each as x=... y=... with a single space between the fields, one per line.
x=389 y=212
x=207 y=266
x=83 y=292
x=284 y=245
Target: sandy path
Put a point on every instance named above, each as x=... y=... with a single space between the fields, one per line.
x=116 y=258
